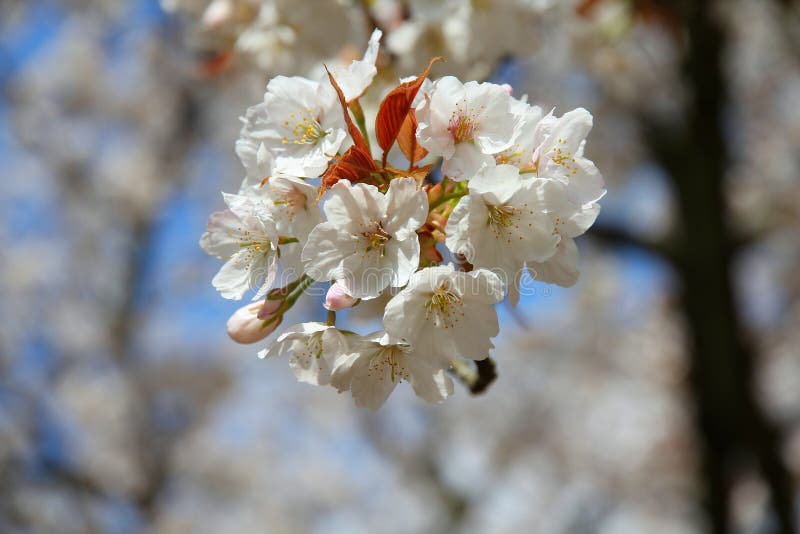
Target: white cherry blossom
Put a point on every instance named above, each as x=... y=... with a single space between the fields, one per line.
x=528 y=192
x=527 y=118
x=312 y=348
x=569 y=220
x=301 y=123
x=501 y=224
x=256 y=159
x=246 y=237
x=292 y=203
x=354 y=79
x=376 y=363
x=559 y=155
x=446 y=313
x=369 y=241
x=466 y=124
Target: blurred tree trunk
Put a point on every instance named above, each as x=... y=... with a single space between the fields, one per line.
x=730 y=423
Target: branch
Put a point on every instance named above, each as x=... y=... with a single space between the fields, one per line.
x=477 y=379
x=729 y=420
x=619 y=237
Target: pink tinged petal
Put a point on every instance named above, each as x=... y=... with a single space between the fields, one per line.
x=291 y=184
x=220 y=238
x=434 y=116
x=246 y=325
x=268 y=308
x=337 y=298
x=406 y=208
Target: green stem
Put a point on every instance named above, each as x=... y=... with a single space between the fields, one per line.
x=305 y=282
x=445 y=198
x=358 y=114
x=282 y=292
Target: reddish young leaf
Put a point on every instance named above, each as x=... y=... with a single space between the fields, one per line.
x=407 y=139
x=428 y=255
x=215 y=65
x=355 y=165
x=394 y=109
x=355 y=133
x=419 y=174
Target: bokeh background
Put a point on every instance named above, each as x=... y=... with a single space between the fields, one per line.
x=661 y=394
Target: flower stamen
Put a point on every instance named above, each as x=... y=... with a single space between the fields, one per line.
x=376 y=238
x=444 y=307
x=307 y=130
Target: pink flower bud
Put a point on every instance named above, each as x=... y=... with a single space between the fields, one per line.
x=246 y=325
x=508 y=88
x=268 y=307
x=337 y=298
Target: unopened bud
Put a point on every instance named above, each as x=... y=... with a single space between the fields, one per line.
x=268 y=308
x=337 y=298
x=246 y=325
x=508 y=88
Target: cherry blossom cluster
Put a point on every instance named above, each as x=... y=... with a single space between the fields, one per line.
x=491 y=187
x=291 y=35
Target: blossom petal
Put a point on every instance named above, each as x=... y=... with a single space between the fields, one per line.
x=406 y=208
x=561 y=269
